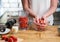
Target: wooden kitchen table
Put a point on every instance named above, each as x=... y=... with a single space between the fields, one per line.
x=49 y=35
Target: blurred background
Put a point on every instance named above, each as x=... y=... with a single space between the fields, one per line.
x=13 y=9
x=9 y=9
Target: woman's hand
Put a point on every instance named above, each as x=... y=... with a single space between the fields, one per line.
x=36 y=21
x=40 y=21
x=43 y=22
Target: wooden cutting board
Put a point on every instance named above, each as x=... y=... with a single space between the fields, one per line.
x=49 y=35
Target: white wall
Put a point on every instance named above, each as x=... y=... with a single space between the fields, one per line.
x=9 y=5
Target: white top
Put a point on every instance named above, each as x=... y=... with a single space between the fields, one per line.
x=40 y=7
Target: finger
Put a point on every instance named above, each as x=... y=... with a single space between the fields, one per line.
x=36 y=22
x=43 y=25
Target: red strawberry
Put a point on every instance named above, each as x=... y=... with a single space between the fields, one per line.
x=23 y=19
x=14 y=38
x=42 y=20
x=10 y=40
x=4 y=37
x=23 y=25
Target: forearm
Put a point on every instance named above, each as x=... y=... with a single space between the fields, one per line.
x=52 y=9
x=29 y=11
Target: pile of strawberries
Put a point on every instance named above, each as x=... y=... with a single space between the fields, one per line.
x=9 y=39
x=23 y=22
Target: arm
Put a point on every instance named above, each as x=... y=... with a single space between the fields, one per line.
x=52 y=9
x=27 y=9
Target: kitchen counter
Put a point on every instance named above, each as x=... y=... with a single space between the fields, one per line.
x=49 y=35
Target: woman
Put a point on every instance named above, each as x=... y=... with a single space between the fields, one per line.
x=40 y=9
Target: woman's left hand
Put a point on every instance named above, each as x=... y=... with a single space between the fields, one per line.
x=43 y=22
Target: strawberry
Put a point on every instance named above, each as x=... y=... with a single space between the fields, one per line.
x=23 y=25
x=23 y=22
x=10 y=40
x=4 y=37
x=23 y=19
x=42 y=20
x=14 y=38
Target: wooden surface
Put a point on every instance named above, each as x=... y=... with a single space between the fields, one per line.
x=49 y=35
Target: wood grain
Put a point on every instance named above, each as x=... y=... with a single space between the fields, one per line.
x=49 y=35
